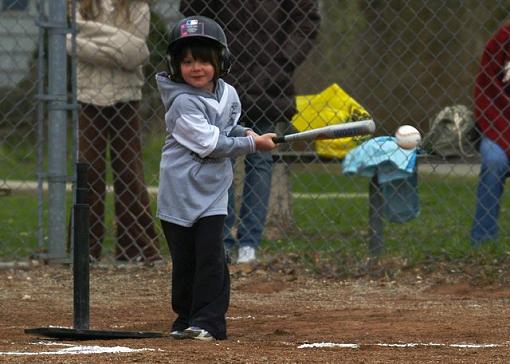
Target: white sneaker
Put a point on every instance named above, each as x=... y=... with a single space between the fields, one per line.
x=197 y=333
x=246 y=254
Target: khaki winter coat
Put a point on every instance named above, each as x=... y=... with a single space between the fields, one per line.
x=110 y=53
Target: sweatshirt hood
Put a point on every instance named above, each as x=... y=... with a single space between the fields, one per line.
x=169 y=89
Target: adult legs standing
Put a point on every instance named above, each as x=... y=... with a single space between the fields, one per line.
x=254 y=200
x=136 y=233
x=494 y=168
x=119 y=124
x=92 y=145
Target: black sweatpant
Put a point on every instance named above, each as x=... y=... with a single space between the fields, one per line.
x=200 y=276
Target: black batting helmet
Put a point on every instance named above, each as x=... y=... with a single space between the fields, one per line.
x=199 y=27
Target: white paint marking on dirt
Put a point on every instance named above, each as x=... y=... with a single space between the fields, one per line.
x=475 y=346
x=408 y=345
x=50 y=343
x=328 y=345
x=400 y=345
x=465 y=346
x=249 y=317
x=76 y=350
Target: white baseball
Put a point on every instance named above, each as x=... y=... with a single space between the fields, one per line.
x=408 y=137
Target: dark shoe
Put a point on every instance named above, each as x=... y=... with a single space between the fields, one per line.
x=179 y=335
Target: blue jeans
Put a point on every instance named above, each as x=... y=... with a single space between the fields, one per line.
x=494 y=169
x=254 y=202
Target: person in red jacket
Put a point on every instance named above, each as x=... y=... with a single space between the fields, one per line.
x=492 y=114
x=268 y=39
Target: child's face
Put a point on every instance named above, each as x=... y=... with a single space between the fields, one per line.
x=197 y=73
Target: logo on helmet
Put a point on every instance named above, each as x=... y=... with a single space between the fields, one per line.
x=192 y=27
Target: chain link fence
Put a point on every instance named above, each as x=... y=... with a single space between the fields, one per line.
x=403 y=61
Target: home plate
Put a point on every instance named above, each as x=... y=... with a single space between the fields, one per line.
x=76 y=350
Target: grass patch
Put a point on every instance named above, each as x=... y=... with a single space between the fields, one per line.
x=327 y=235
x=19 y=232
x=333 y=233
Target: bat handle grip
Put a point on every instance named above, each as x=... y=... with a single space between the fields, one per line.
x=279 y=139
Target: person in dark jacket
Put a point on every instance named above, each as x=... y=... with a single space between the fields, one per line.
x=492 y=115
x=269 y=39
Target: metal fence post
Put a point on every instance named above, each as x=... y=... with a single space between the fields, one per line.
x=375 y=218
x=41 y=74
x=57 y=92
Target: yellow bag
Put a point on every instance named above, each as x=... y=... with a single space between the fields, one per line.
x=332 y=106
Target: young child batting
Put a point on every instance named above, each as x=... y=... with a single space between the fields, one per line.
x=201 y=118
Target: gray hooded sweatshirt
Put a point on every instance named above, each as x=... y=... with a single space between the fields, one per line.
x=195 y=169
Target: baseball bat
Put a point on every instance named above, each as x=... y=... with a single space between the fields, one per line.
x=349 y=129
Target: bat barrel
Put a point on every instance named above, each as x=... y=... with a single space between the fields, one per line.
x=349 y=129
x=362 y=127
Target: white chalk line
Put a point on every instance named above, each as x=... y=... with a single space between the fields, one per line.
x=400 y=345
x=329 y=195
x=250 y=317
x=234 y=318
x=31 y=186
x=70 y=349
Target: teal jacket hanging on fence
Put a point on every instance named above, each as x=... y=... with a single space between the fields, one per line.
x=381 y=156
x=395 y=169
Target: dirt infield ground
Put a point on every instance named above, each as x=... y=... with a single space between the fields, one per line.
x=275 y=317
